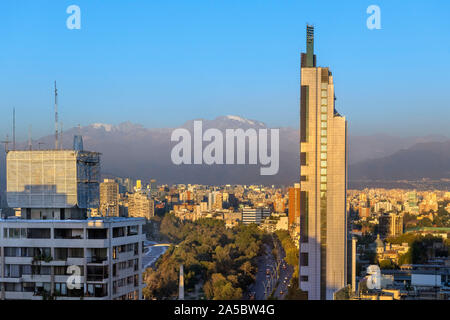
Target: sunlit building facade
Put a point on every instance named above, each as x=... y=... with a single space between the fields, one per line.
x=323 y=222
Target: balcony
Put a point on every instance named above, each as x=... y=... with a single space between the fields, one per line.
x=96 y=260
x=97 y=273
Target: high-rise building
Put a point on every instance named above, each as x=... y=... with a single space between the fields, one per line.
x=139 y=205
x=138 y=185
x=390 y=224
x=323 y=222
x=153 y=186
x=53 y=238
x=109 y=198
x=294 y=204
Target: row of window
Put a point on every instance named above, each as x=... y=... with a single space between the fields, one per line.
x=45 y=233
x=323 y=147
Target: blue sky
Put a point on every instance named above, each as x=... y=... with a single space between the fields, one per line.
x=160 y=63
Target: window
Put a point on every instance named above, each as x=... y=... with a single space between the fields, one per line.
x=324 y=132
x=97 y=234
x=38 y=233
x=323 y=117
x=61 y=289
x=323 y=148
x=323 y=186
x=323 y=179
x=323 y=171
x=324 y=125
x=323 y=140
x=304 y=259
x=323 y=164
x=323 y=156
x=324 y=102
x=118 y=232
x=303 y=158
x=304 y=278
x=324 y=86
x=324 y=109
x=324 y=93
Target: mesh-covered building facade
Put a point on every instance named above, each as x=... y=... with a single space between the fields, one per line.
x=59 y=179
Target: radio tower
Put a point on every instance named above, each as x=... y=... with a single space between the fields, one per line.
x=56 y=118
x=61 y=135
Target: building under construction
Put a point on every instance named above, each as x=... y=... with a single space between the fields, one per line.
x=53 y=184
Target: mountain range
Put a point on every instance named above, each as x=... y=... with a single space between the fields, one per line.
x=131 y=150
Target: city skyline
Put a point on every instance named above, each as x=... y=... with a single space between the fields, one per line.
x=253 y=75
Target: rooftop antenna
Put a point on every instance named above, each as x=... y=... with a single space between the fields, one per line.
x=56 y=118
x=14 y=128
x=61 y=136
x=310 y=46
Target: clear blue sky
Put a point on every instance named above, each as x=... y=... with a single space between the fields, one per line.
x=160 y=63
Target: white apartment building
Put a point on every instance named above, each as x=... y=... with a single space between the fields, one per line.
x=38 y=258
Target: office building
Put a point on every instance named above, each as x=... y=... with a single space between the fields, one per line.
x=323 y=222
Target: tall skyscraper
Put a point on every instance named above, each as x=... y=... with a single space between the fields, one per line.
x=323 y=135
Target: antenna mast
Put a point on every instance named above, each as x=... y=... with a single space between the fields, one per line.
x=56 y=118
x=61 y=136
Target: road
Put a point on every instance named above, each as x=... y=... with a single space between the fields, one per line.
x=264 y=284
x=152 y=252
x=286 y=273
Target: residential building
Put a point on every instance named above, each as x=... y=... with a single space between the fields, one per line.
x=140 y=205
x=109 y=198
